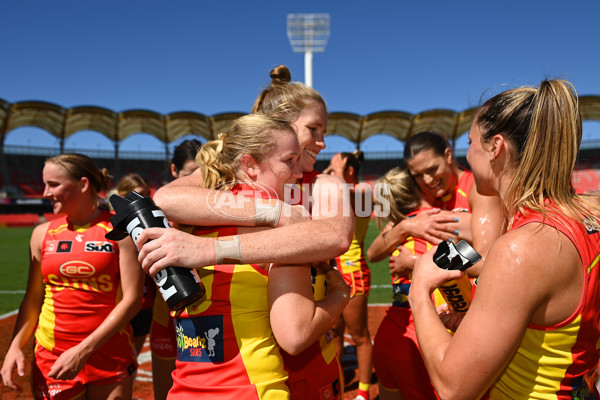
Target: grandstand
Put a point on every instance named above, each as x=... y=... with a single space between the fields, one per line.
x=21 y=184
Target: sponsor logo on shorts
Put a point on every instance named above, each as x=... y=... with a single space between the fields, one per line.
x=200 y=339
x=99 y=247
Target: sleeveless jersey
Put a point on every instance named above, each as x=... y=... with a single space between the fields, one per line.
x=401 y=285
x=459 y=198
x=80 y=269
x=225 y=345
x=552 y=361
x=396 y=356
x=354 y=259
x=317 y=359
x=319 y=354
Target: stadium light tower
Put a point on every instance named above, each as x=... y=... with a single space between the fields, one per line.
x=308 y=34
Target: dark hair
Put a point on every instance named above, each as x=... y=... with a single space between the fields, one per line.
x=354 y=160
x=186 y=151
x=424 y=141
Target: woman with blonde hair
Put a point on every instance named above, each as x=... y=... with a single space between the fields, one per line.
x=308 y=241
x=400 y=369
x=83 y=290
x=532 y=328
x=229 y=343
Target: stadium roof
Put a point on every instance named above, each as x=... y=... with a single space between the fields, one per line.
x=63 y=122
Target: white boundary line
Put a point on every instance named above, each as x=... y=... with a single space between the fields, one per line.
x=10 y=314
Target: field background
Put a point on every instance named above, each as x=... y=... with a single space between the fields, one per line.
x=14 y=248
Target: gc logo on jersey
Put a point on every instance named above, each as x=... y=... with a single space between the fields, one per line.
x=77 y=269
x=99 y=247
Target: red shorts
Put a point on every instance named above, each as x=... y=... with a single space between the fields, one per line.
x=325 y=384
x=358 y=281
x=397 y=359
x=109 y=364
x=163 y=343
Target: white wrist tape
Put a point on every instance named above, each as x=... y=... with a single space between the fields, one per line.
x=228 y=250
x=266 y=212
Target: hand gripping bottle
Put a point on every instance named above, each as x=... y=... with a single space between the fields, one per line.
x=456 y=292
x=179 y=286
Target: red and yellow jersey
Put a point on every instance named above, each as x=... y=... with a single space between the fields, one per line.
x=318 y=355
x=225 y=345
x=459 y=198
x=553 y=361
x=401 y=285
x=353 y=260
x=80 y=269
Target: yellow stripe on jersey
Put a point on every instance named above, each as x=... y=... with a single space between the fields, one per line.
x=350 y=261
x=594 y=263
x=328 y=351
x=540 y=364
x=258 y=351
x=409 y=243
x=58 y=229
x=106 y=227
x=207 y=276
x=461 y=192
x=47 y=321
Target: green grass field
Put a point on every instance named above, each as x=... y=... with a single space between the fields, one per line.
x=14 y=267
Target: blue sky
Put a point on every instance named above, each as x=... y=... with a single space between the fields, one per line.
x=213 y=57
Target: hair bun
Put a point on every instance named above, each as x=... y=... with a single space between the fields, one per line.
x=280 y=75
x=359 y=155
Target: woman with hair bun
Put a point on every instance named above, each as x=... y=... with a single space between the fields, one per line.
x=83 y=290
x=229 y=343
x=532 y=329
x=307 y=241
x=317 y=370
x=303 y=108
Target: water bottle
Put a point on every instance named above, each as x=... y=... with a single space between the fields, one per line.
x=179 y=286
x=456 y=292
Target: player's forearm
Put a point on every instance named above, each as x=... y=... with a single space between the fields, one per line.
x=194 y=205
x=386 y=242
x=305 y=242
x=26 y=323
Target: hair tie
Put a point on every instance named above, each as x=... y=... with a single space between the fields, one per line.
x=221 y=138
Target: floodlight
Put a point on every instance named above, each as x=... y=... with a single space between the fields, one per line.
x=308 y=34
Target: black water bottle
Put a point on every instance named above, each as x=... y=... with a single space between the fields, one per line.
x=456 y=292
x=179 y=286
